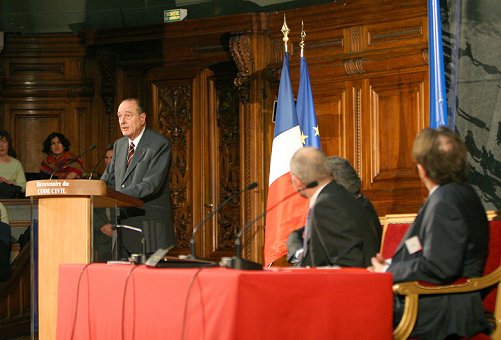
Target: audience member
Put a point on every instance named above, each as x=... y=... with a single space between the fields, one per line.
x=60 y=162
x=108 y=155
x=140 y=168
x=12 y=178
x=4 y=216
x=344 y=175
x=338 y=230
x=448 y=240
x=5 y=244
x=102 y=227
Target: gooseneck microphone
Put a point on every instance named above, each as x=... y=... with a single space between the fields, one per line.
x=213 y=211
x=65 y=164
x=237 y=262
x=137 y=259
x=95 y=167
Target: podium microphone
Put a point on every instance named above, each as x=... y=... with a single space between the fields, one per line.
x=65 y=164
x=95 y=167
x=213 y=211
x=237 y=262
x=136 y=258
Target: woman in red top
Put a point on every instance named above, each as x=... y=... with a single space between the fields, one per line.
x=60 y=162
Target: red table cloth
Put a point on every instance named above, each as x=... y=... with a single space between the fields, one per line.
x=113 y=301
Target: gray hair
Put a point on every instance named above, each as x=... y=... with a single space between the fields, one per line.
x=344 y=174
x=308 y=164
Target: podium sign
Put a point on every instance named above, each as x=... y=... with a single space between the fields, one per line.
x=65 y=233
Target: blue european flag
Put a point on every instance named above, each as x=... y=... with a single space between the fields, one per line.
x=310 y=136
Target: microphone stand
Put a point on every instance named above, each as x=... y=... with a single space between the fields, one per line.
x=218 y=208
x=136 y=258
x=237 y=262
x=65 y=164
x=95 y=167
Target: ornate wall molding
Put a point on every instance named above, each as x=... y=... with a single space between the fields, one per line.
x=337 y=42
x=228 y=119
x=355 y=39
x=405 y=33
x=53 y=89
x=107 y=63
x=426 y=56
x=354 y=66
x=241 y=51
x=358 y=128
x=175 y=123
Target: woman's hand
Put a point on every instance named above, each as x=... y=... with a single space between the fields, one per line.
x=5 y=180
x=71 y=175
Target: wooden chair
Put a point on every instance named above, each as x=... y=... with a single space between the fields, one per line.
x=487 y=284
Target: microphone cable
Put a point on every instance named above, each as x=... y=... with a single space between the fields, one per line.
x=187 y=299
x=84 y=269
x=122 y=322
x=213 y=212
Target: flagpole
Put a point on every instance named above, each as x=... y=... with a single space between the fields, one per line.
x=302 y=35
x=285 y=30
x=305 y=108
x=289 y=215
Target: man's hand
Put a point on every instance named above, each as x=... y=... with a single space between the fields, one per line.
x=106 y=229
x=379 y=264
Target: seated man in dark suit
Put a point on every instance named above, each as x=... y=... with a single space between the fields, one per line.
x=339 y=230
x=347 y=177
x=448 y=240
x=344 y=175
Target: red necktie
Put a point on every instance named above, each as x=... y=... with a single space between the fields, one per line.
x=130 y=153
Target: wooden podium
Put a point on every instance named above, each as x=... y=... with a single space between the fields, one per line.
x=65 y=234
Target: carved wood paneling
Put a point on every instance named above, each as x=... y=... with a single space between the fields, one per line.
x=174 y=118
x=412 y=31
x=368 y=70
x=242 y=53
x=355 y=38
x=395 y=116
x=29 y=127
x=229 y=164
x=240 y=47
x=331 y=116
x=370 y=92
x=44 y=90
x=107 y=63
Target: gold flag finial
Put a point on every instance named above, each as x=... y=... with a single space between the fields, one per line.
x=285 y=30
x=303 y=35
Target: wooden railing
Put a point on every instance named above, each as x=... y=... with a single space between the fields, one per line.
x=15 y=293
x=15 y=298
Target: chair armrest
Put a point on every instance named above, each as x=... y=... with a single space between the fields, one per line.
x=412 y=290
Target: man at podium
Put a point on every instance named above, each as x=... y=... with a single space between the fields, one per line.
x=140 y=168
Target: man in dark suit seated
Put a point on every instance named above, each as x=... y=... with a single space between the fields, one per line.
x=346 y=176
x=448 y=240
x=338 y=231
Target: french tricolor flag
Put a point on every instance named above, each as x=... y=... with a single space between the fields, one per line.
x=289 y=215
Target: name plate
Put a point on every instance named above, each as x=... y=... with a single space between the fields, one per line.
x=65 y=187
